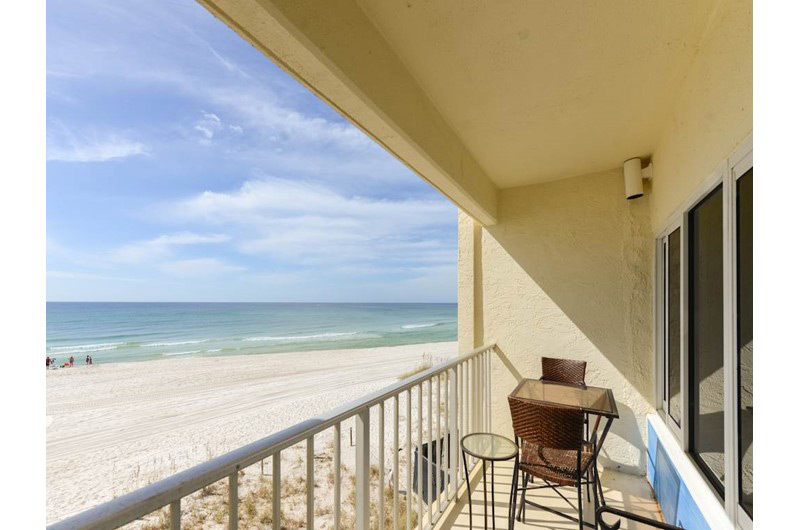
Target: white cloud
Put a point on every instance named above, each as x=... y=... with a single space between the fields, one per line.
x=199 y=267
x=263 y=112
x=73 y=275
x=210 y=125
x=94 y=149
x=304 y=224
x=161 y=246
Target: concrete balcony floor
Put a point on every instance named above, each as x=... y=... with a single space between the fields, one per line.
x=628 y=492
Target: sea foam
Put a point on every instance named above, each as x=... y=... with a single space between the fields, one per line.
x=180 y=343
x=416 y=326
x=302 y=337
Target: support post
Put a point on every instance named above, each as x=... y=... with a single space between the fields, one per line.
x=233 y=501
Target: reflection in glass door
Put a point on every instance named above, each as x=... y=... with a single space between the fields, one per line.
x=673 y=324
x=706 y=334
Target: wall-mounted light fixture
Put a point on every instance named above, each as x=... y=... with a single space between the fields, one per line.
x=634 y=173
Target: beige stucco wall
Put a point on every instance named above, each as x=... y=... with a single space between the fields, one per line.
x=566 y=273
x=713 y=112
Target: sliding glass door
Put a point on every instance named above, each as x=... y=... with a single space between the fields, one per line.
x=706 y=338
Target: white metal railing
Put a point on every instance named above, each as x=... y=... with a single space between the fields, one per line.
x=461 y=389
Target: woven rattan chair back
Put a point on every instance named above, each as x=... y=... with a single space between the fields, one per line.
x=563 y=370
x=546 y=425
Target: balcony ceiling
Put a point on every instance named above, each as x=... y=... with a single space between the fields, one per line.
x=542 y=90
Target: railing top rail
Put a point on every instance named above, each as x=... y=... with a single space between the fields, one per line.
x=143 y=501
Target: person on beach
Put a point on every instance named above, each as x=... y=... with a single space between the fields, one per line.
x=71 y=361
x=90 y=359
x=48 y=361
x=87 y=360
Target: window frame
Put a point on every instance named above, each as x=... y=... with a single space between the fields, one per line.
x=662 y=331
x=740 y=164
x=725 y=174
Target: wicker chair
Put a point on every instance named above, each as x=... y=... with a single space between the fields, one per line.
x=566 y=371
x=563 y=370
x=551 y=448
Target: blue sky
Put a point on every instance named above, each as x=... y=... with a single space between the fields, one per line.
x=182 y=165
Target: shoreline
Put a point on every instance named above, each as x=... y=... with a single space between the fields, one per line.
x=80 y=357
x=119 y=426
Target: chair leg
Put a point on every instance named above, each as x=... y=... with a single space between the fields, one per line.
x=512 y=503
x=596 y=499
x=580 y=506
x=521 y=513
x=588 y=497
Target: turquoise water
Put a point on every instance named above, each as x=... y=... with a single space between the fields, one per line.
x=121 y=332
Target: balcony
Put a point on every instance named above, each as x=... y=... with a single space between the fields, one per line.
x=455 y=396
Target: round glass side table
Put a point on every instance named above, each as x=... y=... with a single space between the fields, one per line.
x=486 y=447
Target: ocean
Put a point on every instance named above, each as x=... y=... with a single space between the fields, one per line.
x=123 y=332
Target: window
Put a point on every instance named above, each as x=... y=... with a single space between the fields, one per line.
x=706 y=338
x=744 y=336
x=672 y=312
x=705 y=331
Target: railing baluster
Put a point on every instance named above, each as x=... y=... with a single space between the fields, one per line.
x=488 y=391
x=381 y=457
x=461 y=409
x=420 y=513
x=481 y=389
x=175 y=515
x=437 y=455
x=233 y=501
x=276 y=490
x=479 y=393
x=473 y=377
x=310 y=482
x=362 y=470
x=468 y=407
x=454 y=442
x=396 y=464
x=445 y=441
x=429 y=438
x=408 y=459
x=337 y=476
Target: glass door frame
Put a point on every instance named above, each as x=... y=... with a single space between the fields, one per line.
x=739 y=164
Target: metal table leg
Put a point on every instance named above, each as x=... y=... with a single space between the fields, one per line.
x=493 y=527
x=469 y=490
x=485 y=503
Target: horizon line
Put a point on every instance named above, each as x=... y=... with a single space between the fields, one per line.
x=217 y=302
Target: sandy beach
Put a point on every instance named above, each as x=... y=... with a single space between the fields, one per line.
x=114 y=427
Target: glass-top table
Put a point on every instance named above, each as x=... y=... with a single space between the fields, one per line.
x=487 y=447
x=589 y=399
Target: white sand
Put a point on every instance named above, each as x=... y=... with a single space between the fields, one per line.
x=115 y=427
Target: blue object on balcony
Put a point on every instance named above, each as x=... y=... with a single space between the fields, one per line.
x=677 y=504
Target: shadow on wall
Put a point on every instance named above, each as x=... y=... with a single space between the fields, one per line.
x=634 y=439
x=590 y=251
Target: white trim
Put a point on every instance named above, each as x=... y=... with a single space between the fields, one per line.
x=703 y=494
x=744 y=149
x=728 y=318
